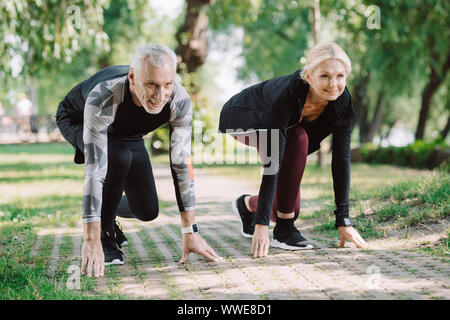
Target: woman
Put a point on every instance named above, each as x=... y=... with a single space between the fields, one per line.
x=293 y=114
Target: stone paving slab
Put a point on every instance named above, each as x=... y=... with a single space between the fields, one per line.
x=152 y=270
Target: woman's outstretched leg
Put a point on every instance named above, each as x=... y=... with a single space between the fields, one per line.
x=287 y=200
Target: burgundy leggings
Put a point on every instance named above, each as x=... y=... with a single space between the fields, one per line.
x=287 y=194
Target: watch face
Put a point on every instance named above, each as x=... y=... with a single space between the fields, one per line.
x=194 y=228
x=347 y=221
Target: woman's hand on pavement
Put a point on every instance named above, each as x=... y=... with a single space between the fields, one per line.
x=350 y=233
x=260 y=241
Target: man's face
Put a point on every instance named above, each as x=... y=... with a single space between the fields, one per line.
x=328 y=79
x=152 y=86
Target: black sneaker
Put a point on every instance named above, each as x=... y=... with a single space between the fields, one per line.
x=287 y=237
x=120 y=237
x=246 y=218
x=113 y=255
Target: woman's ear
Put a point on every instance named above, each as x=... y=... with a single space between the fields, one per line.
x=308 y=78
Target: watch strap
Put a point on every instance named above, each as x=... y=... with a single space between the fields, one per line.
x=343 y=221
x=193 y=228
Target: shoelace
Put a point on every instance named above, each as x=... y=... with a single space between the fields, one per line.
x=118 y=229
x=109 y=242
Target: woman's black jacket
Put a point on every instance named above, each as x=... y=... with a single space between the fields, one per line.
x=278 y=104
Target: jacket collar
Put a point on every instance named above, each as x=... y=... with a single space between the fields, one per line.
x=342 y=105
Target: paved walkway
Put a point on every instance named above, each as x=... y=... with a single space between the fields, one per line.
x=152 y=270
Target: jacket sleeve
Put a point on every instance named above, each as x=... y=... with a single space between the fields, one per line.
x=340 y=168
x=272 y=157
x=180 y=126
x=70 y=122
x=99 y=113
x=283 y=110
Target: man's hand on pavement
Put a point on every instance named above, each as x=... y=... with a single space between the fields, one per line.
x=193 y=242
x=92 y=256
x=93 y=259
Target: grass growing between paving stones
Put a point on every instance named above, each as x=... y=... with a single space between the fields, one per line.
x=40 y=189
x=113 y=280
x=133 y=260
x=160 y=265
x=384 y=200
x=23 y=277
x=170 y=243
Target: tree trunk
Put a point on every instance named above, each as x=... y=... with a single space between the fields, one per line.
x=315 y=11
x=377 y=118
x=435 y=80
x=444 y=132
x=315 y=27
x=361 y=107
x=191 y=37
x=104 y=61
x=363 y=123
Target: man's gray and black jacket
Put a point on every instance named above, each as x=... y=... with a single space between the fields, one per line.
x=277 y=104
x=85 y=116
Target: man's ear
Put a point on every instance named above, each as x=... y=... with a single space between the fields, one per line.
x=131 y=76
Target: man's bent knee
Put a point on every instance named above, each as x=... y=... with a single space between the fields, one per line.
x=148 y=214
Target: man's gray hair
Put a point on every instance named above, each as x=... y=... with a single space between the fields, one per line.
x=156 y=54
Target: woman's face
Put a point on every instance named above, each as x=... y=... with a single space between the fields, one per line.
x=328 y=79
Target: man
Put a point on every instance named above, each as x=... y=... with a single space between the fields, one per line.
x=106 y=116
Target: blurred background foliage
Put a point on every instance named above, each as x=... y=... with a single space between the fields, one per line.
x=399 y=51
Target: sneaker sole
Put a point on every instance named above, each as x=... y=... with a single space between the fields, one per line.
x=125 y=243
x=236 y=213
x=277 y=244
x=114 y=262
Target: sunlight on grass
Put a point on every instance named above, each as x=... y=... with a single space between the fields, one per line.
x=41 y=187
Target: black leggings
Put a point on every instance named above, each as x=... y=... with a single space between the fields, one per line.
x=129 y=170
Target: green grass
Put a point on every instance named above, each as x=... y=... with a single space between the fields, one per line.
x=133 y=260
x=382 y=197
x=40 y=188
x=160 y=265
x=38 y=148
x=400 y=206
x=23 y=277
x=439 y=248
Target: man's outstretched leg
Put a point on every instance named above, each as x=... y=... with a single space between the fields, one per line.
x=119 y=162
x=130 y=171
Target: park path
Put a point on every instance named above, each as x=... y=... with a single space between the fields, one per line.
x=152 y=270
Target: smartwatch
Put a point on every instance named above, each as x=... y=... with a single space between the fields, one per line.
x=193 y=228
x=343 y=221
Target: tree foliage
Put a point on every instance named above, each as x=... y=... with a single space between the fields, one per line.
x=394 y=46
x=276 y=33
x=43 y=35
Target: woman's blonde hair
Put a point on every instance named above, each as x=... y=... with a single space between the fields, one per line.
x=322 y=52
